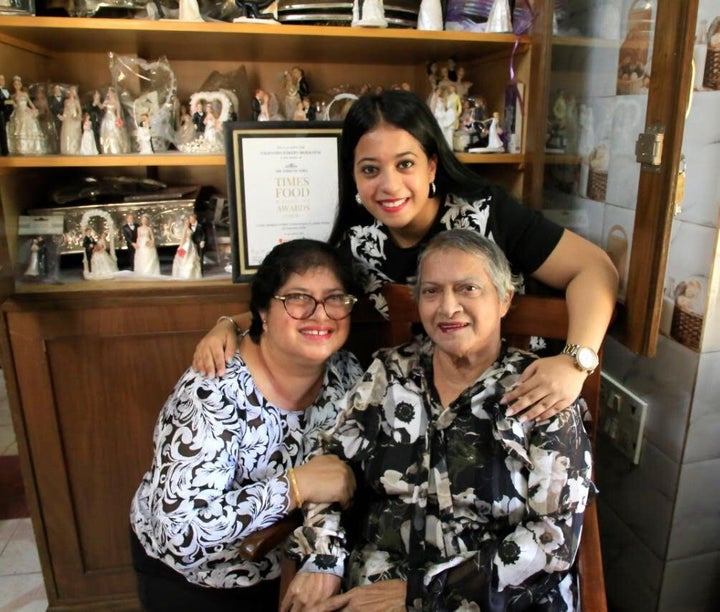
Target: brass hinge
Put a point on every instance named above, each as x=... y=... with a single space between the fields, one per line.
x=649 y=148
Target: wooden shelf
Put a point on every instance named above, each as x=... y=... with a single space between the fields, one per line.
x=491 y=158
x=200 y=41
x=102 y=161
x=173 y=158
x=166 y=288
x=582 y=42
x=99 y=161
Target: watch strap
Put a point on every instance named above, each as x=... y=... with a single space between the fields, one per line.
x=572 y=351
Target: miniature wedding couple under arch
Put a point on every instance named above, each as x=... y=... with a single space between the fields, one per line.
x=99 y=257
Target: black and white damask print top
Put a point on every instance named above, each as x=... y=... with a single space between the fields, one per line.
x=474 y=509
x=220 y=453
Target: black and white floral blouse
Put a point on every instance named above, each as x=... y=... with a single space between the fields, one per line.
x=220 y=454
x=525 y=236
x=464 y=503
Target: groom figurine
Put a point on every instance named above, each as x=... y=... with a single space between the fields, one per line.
x=89 y=243
x=5 y=111
x=56 y=102
x=129 y=231
x=198 y=238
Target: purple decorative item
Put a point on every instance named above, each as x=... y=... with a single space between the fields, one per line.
x=467 y=14
x=523 y=17
x=472 y=15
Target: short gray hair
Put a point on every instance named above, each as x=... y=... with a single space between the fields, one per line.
x=475 y=244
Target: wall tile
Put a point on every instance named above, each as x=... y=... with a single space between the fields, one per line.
x=711 y=332
x=643 y=495
x=632 y=572
x=628 y=121
x=666 y=381
x=703 y=439
x=702 y=182
x=690 y=258
x=582 y=216
x=702 y=126
x=617 y=241
x=623 y=177
x=696 y=522
x=691 y=585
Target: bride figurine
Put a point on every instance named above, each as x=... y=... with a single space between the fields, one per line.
x=143 y=136
x=24 y=134
x=71 y=129
x=104 y=263
x=494 y=130
x=87 y=142
x=186 y=264
x=113 y=134
x=147 y=262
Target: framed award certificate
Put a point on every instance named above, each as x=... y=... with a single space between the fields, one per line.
x=283 y=183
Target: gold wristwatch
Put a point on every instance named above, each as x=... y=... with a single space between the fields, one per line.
x=585 y=358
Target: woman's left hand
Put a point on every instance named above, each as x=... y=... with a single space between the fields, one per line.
x=308 y=590
x=388 y=595
x=545 y=388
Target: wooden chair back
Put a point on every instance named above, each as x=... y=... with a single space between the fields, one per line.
x=529 y=316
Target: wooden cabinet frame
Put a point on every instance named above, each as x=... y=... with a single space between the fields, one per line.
x=669 y=97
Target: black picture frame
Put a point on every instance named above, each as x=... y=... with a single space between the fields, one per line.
x=283 y=183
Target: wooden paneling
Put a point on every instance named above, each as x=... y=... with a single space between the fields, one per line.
x=92 y=376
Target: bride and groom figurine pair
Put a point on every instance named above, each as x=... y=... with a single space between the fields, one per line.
x=140 y=241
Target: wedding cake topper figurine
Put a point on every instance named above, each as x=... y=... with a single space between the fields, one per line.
x=369 y=14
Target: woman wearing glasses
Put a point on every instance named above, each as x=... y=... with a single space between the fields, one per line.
x=230 y=452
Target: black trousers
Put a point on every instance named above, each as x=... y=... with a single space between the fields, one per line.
x=162 y=589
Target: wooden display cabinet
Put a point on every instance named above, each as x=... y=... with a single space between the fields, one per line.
x=88 y=365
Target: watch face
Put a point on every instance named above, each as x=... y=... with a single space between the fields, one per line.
x=586 y=358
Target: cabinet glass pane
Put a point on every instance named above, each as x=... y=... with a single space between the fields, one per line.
x=600 y=73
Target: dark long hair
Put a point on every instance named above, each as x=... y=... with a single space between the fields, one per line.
x=404 y=110
x=293 y=257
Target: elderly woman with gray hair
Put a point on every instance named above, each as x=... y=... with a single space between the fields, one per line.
x=464 y=506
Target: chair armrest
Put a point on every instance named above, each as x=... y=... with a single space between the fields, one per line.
x=258 y=544
x=592 y=579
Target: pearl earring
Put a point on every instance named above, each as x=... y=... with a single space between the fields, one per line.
x=357 y=199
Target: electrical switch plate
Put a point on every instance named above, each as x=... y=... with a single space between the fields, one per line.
x=624 y=415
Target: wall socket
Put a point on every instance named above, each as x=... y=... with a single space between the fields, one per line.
x=623 y=416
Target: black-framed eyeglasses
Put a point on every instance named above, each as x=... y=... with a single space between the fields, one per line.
x=302 y=306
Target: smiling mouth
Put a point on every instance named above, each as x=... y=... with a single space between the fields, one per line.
x=449 y=327
x=391 y=205
x=317 y=333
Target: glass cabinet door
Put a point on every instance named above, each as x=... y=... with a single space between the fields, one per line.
x=616 y=100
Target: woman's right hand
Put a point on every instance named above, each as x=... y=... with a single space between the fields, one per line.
x=215 y=349
x=326 y=479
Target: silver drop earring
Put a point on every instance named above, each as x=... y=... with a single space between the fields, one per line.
x=357 y=199
x=432 y=189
